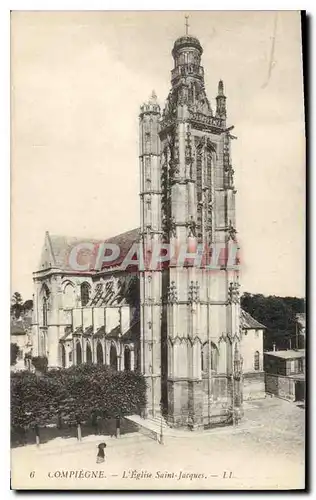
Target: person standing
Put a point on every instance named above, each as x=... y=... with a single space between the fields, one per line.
x=101 y=454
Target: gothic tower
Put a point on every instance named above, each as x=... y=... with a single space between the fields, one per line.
x=200 y=316
x=190 y=309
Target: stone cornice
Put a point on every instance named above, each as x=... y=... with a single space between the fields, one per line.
x=40 y=275
x=143 y=193
x=149 y=154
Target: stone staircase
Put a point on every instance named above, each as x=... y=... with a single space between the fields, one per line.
x=159 y=422
x=151 y=426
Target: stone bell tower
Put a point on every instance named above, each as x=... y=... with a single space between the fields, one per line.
x=200 y=361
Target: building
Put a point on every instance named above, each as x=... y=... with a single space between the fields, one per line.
x=178 y=322
x=21 y=335
x=285 y=374
x=251 y=348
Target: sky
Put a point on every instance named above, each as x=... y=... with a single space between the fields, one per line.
x=77 y=82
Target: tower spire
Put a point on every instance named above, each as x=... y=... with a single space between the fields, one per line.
x=187 y=25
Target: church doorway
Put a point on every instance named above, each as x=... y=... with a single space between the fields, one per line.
x=113 y=357
x=99 y=354
x=88 y=353
x=127 y=359
x=78 y=353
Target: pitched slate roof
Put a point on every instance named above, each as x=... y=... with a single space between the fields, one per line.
x=132 y=331
x=67 y=335
x=287 y=354
x=128 y=334
x=249 y=323
x=100 y=332
x=125 y=242
x=57 y=249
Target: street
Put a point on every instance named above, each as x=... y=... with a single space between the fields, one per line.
x=265 y=452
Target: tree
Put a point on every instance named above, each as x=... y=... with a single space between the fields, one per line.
x=16 y=305
x=28 y=305
x=277 y=314
x=14 y=353
x=40 y=363
x=74 y=394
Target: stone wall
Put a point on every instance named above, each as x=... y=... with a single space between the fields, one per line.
x=185 y=399
x=253 y=386
x=280 y=385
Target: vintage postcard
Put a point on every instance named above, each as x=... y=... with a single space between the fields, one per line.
x=158 y=305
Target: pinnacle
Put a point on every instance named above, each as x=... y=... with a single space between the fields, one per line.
x=153 y=97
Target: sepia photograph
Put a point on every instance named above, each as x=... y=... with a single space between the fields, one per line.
x=158 y=313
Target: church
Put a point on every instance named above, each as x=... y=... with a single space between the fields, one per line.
x=179 y=323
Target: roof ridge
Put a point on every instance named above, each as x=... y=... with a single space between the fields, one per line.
x=87 y=237
x=251 y=319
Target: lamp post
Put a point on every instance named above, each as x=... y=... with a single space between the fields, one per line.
x=233 y=398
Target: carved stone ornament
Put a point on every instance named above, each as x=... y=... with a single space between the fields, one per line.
x=192 y=228
x=172 y=227
x=233 y=293
x=172 y=293
x=231 y=232
x=194 y=292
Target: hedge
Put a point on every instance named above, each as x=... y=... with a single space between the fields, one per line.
x=74 y=395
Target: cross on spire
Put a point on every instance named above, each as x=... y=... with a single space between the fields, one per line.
x=186 y=25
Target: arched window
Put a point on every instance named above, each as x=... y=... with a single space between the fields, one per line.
x=214 y=357
x=63 y=356
x=44 y=311
x=88 y=353
x=113 y=357
x=99 y=353
x=43 y=343
x=45 y=294
x=69 y=299
x=127 y=359
x=85 y=293
x=257 y=360
x=147 y=142
x=204 y=358
x=78 y=353
x=190 y=93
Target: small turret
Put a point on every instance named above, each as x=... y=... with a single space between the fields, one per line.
x=221 y=101
x=221 y=88
x=151 y=106
x=149 y=126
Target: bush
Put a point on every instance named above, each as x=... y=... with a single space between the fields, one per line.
x=75 y=394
